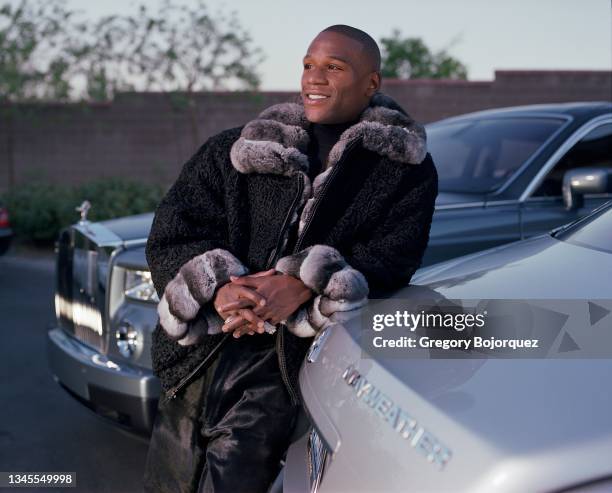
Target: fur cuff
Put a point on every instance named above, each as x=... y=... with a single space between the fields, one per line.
x=311 y=319
x=324 y=270
x=207 y=323
x=193 y=287
x=299 y=324
x=339 y=287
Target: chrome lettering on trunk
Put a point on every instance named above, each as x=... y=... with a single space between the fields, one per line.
x=402 y=422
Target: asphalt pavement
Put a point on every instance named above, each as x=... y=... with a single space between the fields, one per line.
x=42 y=429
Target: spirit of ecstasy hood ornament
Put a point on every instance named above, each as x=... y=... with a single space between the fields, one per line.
x=84 y=209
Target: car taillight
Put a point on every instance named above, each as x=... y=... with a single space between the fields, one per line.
x=4 y=218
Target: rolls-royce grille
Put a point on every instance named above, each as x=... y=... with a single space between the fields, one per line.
x=81 y=288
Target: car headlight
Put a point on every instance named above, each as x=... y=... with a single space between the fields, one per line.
x=139 y=286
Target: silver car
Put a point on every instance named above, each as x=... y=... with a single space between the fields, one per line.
x=105 y=307
x=478 y=425
x=504 y=175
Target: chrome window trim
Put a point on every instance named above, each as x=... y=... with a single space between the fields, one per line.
x=559 y=198
x=556 y=116
x=494 y=115
x=494 y=203
x=461 y=205
x=562 y=150
x=543 y=199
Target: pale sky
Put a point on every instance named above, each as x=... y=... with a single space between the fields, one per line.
x=484 y=34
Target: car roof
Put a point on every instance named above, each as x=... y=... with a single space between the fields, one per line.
x=575 y=109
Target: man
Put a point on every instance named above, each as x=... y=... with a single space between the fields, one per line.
x=269 y=230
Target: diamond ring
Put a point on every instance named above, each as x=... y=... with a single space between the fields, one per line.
x=269 y=328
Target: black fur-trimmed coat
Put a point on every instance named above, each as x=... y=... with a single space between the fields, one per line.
x=363 y=226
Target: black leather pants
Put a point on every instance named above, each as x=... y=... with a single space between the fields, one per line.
x=232 y=437
x=248 y=418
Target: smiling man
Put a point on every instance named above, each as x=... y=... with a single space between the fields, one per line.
x=269 y=230
x=341 y=73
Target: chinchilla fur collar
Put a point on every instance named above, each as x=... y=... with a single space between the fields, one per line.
x=276 y=141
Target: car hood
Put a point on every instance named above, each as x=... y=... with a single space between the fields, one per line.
x=510 y=425
x=130 y=228
x=540 y=267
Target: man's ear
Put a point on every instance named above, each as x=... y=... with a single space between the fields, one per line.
x=373 y=83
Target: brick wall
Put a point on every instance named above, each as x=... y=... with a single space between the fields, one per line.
x=148 y=136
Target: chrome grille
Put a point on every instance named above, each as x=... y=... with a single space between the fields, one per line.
x=82 y=270
x=317 y=459
x=86 y=306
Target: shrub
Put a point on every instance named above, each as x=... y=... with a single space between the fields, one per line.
x=113 y=197
x=38 y=211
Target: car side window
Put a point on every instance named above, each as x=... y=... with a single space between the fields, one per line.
x=477 y=155
x=594 y=150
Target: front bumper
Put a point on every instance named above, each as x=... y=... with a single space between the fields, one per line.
x=125 y=394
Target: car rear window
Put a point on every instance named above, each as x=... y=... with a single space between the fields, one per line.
x=479 y=155
x=594 y=232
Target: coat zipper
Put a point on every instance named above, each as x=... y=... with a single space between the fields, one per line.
x=273 y=254
x=279 y=335
x=280 y=351
x=173 y=391
x=298 y=244
x=315 y=206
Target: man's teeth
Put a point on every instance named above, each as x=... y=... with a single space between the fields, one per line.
x=316 y=96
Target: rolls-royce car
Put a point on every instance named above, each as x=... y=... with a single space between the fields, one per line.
x=6 y=233
x=474 y=424
x=504 y=175
x=509 y=174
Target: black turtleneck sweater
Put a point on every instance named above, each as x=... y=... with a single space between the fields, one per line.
x=322 y=138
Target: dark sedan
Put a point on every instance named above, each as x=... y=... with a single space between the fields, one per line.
x=508 y=174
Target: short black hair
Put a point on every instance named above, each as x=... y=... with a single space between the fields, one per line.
x=370 y=48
